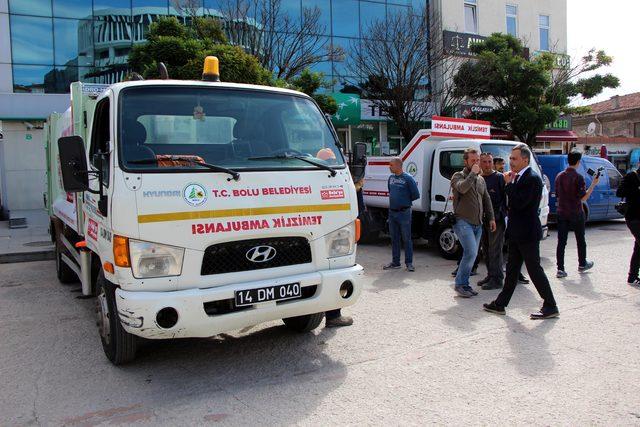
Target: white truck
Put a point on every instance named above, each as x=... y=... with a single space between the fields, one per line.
x=194 y=208
x=431 y=158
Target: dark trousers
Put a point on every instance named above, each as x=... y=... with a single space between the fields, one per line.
x=492 y=244
x=575 y=223
x=634 y=266
x=400 y=230
x=529 y=252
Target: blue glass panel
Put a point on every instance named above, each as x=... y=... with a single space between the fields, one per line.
x=31 y=78
x=340 y=62
x=544 y=39
x=31 y=40
x=186 y=8
x=116 y=7
x=418 y=5
x=344 y=14
x=151 y=7
x=73 y=42
x=112 y=38
x=370 y=12
x=394 y=10
x=322 y=67
x=325 y=13
x=72 y=8
x=30 y=7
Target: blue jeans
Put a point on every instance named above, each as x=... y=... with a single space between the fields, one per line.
x=469 y=236
x=400 y=230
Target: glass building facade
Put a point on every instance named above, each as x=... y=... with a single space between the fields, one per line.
x=56 y=42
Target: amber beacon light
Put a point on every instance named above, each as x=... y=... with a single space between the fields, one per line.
x=211 y=71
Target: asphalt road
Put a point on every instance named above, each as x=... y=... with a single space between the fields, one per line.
x=416 y=354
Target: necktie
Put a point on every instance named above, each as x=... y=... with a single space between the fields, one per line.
x=515 y=181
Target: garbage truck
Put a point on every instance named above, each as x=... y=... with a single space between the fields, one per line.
x=431 y=158
x=192 y=208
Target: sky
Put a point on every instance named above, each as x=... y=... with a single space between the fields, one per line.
x=613 y=26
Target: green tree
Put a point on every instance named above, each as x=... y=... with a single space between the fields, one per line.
x=183 y=48
x=527 y=94
x=310 y=82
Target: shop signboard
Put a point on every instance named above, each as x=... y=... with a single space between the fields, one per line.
x=349 y=109
x=459 y=44
x=371 y=112
x=562 y=123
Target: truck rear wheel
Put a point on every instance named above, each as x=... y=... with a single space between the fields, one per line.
x=119 y=346
x=448 y=243
x=64 y=273
x=305 y=323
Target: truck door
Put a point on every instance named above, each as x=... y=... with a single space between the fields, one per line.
x=99 y=160
x=614 y=182
x=446 y=162
x=599 y=199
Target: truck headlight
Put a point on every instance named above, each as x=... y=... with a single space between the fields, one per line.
x=154 y=260
x=341 y=242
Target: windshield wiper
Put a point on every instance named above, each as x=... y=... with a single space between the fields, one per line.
x=215 y=168
x=303 y=158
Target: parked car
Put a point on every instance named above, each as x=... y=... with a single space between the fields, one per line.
x=601 y=204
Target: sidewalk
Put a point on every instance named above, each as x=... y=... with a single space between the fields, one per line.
x=26 y=244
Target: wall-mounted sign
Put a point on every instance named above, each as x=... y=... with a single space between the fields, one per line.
x=28 y=137
x=348 y=109
x=369 y=111
x=563 y=123
x=470 y=110
x=562 y=61
x=459 y=44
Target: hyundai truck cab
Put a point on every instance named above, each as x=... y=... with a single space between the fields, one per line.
x=207 y=207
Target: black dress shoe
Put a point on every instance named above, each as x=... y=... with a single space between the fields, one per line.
x=492 y=307
x=491 y=285
x=484 y=281
x=522 y=279
x=545 y=313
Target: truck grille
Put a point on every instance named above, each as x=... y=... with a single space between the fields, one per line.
x=232 y=256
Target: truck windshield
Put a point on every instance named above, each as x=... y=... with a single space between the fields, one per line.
x=504 y=151
x=174 y=128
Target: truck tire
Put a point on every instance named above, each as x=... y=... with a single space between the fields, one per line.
x=448 y=244
x=64 y=273
x=305 y=323
x=119 y=346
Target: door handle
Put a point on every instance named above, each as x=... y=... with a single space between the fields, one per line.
x=440 y=198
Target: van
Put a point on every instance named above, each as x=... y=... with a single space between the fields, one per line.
x=601 y=205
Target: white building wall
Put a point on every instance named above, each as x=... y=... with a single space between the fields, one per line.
x=6 y=78
x=492 y=18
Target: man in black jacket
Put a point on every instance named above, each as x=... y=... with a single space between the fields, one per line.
x=524 y=232
x=630 y=189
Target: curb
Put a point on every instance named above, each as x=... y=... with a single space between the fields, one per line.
x=27 y=256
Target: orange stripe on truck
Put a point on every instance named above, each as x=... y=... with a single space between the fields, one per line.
x=227 y=213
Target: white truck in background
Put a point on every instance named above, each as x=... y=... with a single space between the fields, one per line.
x=431 y=158
x=192 y=208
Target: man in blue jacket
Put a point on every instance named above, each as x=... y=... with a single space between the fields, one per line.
x=402 y=192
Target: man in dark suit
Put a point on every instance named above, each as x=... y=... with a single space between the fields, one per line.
x=524 y=232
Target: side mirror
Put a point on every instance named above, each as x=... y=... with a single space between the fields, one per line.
x=73 y=164
x=360 y=153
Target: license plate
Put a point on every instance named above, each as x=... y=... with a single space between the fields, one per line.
x=270 y=293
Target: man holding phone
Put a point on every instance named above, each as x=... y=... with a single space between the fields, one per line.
x=571 y=192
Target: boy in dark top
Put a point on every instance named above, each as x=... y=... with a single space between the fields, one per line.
x=571 y=191
x=630 y=189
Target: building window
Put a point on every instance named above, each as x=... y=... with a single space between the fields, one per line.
x=471 y=16
x=543 y=22
x=512 y=20
x=636 y=130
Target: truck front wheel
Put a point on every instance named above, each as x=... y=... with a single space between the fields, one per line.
x=305 y=323
x=448 y=243
x=119 y=346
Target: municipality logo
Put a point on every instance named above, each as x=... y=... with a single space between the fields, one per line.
x=412 y=169
x=194 y=194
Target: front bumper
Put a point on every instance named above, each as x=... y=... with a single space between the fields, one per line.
x=138 y=310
